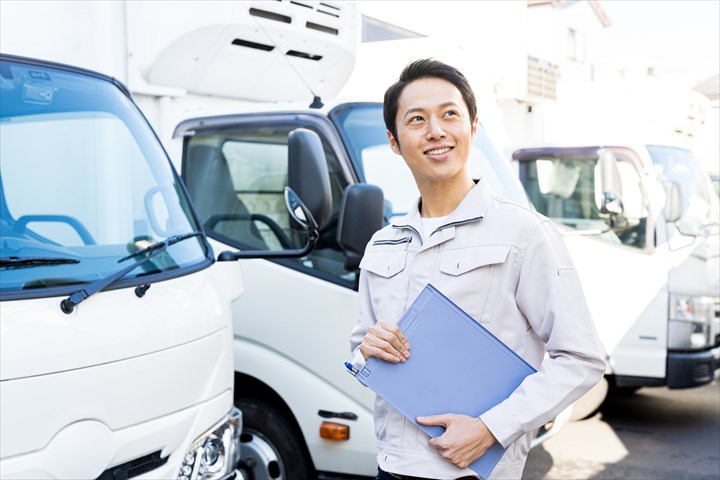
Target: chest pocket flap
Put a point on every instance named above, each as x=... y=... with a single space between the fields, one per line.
x=463 y=260
x=384 y=263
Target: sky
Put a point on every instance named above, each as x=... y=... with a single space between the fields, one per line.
x=678 y=35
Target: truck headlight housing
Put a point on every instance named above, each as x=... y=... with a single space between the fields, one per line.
x=693 y=323
x=214 y=454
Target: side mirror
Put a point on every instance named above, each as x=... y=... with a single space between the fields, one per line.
x=610 y=185
x=362 y=214
x=308 y=174
x=673 y=202
x=307 y=196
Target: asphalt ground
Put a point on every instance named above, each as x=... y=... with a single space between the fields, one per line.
x=653 y=434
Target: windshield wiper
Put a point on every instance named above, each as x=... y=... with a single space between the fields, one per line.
x=35 y=261
x=161 y=245
x=151 y=251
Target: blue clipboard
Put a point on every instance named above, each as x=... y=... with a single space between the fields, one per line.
x=455 y=366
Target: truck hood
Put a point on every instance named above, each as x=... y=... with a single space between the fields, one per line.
x=37 y=338
x=695 y=269
x=117 y=361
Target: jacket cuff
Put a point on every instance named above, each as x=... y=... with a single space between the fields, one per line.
x=502 y=425
x=358 y=360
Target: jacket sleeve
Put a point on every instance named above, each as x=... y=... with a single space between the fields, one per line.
x=365 y=319
x=550 y=296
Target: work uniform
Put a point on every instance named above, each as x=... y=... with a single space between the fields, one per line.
x=508 y=268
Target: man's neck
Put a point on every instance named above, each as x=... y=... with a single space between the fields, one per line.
x=441 y=199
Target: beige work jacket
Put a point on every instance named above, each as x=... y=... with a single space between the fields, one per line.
x=508 y=268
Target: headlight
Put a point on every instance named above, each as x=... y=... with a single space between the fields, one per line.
x=215 y=453
x=693 y=324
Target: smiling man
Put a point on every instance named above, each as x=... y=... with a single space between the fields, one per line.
x=517 y=280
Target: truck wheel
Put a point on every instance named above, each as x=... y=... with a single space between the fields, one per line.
x=271 y=446
x=587 y=405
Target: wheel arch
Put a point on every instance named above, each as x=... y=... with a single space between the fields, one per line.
x=248 y=387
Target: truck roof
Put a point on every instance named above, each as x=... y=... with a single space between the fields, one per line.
x=296 y=107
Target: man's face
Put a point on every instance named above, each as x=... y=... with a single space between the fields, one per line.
x=434 y=132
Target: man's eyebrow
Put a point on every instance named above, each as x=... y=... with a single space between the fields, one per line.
x=422 y=110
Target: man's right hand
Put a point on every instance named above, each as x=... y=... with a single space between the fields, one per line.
x=385 y=341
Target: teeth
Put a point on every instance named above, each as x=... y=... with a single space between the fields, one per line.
x=438 y=151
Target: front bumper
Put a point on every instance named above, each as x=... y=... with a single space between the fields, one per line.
x=692 y=369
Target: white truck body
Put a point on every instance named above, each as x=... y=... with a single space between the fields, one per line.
x=650 y=270
x=114 y=362
x=293 y=319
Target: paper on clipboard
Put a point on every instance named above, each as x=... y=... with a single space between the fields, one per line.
x=455 y=366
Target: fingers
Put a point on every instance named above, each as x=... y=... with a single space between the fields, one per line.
x=385 y=341
x=465 y=439
x=441 y=420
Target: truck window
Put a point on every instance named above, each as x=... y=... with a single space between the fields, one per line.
x=567 y=191
x=236 y=182
x=701 y=206
x=82 y=179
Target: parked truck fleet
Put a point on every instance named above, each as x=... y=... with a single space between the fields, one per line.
x=210 y=81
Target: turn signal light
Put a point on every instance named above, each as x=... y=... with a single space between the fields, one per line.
x=334 y=431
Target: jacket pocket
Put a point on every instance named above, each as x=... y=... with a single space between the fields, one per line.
x=472 y=278
x=462 y=260
x=386 y=263
x=387 y=281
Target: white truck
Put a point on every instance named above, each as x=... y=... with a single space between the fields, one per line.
x=115 y=355
x=641 y=223
x=116 y=347
x=303 y=415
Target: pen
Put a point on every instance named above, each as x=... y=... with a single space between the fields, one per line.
x=351 y=369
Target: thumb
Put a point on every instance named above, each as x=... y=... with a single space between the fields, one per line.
x=441 y=420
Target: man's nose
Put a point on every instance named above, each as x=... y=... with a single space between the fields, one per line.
x=435 y=129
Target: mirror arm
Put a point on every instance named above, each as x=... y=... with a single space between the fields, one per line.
x=313 y=237
x=311 y=228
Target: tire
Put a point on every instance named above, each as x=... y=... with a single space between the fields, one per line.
x=272 y=448
x=623 y=391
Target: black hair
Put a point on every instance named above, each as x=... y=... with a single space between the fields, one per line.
x=425 y=68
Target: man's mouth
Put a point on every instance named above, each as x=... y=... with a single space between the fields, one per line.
x=438 y=151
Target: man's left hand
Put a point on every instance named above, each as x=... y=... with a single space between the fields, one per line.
x=465 y=439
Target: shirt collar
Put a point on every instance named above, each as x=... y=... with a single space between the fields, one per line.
x=473 y=205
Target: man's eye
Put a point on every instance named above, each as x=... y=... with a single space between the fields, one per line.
x=416 y=118
x=451 y=113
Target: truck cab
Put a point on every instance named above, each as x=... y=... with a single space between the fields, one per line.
x=641 y=223
x=115 y=358
x=116 y=349
x=303 y=413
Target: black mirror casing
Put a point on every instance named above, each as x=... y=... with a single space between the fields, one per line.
x=361 y=215
x=308 y=174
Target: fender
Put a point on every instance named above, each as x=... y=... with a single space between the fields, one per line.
x=305 y=393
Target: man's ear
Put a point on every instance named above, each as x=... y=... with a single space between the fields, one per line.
x=394 y=145
x=474 y=126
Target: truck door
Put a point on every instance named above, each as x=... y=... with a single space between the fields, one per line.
x=293 y=321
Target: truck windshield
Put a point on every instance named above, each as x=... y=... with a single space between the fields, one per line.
x=701 y=211
x=363 y=130
x=84 y=183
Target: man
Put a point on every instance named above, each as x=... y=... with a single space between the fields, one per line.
x=506 y=266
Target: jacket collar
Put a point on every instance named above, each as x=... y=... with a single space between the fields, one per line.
x=472 y=207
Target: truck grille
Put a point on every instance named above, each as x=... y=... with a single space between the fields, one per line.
x=133 y=468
